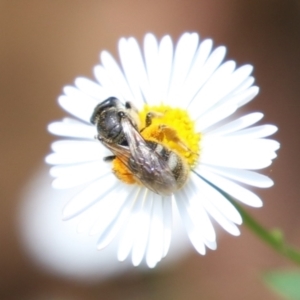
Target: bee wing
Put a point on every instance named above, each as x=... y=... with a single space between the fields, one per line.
x=120 y=151
x=146 y=164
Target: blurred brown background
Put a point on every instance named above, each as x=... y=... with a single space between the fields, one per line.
x=44 y=45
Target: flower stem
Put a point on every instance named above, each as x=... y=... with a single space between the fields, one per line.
x=273 y=238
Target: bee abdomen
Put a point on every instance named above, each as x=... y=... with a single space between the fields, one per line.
x=175 y=163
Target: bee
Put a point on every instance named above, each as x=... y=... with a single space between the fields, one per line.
x=153 y=165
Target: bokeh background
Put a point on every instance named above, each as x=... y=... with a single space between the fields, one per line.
x=44 y=45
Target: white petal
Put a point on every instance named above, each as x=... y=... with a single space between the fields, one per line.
x=66 y=171
x=248 y=96
x=167 y=219
x=244 y=176
x=90 y=195
x=223 y=110
x=238 y=77
x=237 y=124
x=122 y=214
x=255 y=132
x=141 y=239
x=74 y=152
x=212 y=245
x=216 y=199
x=71 y=128
x=238 y=153
x=236 y=160
x=158 y=60
x=199 y=216
x=95 y=218
x=155 y=249
x=72 y=176
x=80 y=147
x=226 y=224
x=246 y=84
x=151 y=63
x=214 y=117
x=92 y=89
x=209 y=95
x=132 y=62
x=230 y=84
x=183 y=58
x=87 y=220
x=165 y=61
x=192 y=232
x=231 y=188
x=77 y=103
x=193 y=81
x=116 y=76
x=239 y=98
x=70 y=158
x=203 y=74
x=104 y=78
x=112 y=205
x=131 y=228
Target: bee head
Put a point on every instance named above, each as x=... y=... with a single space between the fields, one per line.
x=107 y=104
x=108 y=121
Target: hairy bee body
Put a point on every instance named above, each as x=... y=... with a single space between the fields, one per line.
x=153 y=164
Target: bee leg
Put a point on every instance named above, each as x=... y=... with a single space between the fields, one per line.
x=150 y=115
x=109 y=158
x=171 y=135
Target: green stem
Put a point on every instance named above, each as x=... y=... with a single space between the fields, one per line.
x=273 y=239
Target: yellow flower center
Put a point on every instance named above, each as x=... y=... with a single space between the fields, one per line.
x=171 y=127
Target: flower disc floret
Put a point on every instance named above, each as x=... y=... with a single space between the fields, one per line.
x=179 y=134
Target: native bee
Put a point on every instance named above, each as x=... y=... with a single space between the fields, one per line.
x=153 y=164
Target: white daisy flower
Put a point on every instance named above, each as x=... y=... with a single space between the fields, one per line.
x=194 y=92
